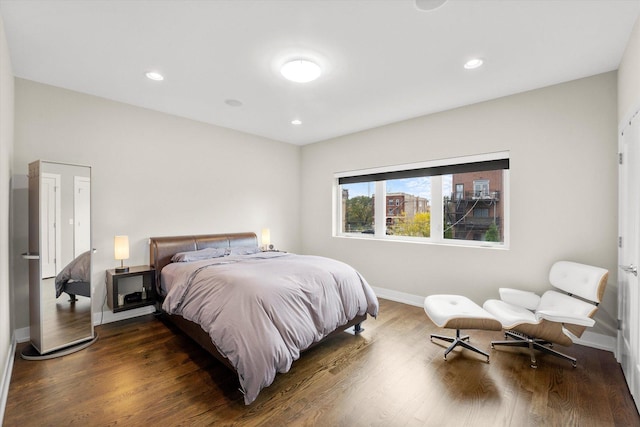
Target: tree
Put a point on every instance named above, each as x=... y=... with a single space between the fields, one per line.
x=448 y=231
x=418 y=226
x=492 y=234
x=359 y=213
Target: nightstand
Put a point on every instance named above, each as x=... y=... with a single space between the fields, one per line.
x=125 y=290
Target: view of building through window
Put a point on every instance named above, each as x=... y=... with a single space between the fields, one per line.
x=406 y=202
x=408 y=211
x=474 y=211
x=472 y=206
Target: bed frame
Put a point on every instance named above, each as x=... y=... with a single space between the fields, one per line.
x=161 y=249
x=77 y=288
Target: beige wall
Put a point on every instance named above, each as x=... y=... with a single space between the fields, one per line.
x=6 y=152
x=629 y=76
x=563 y=189
x=152 y=175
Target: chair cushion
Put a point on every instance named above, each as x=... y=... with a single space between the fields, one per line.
x=520 y=298
x=564 y=305
x=509 y=315
x=583 y=280
x=458 y=312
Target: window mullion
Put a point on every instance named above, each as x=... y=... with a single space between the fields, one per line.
x=380 y=209
x=437 y=215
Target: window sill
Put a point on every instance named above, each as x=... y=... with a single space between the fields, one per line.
x=421 y=241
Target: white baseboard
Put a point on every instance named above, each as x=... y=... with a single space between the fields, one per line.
x=109 y=316
x=22 y=335
x=6 y=378
x=588 y=339
x=599 y=341
x=410 y=299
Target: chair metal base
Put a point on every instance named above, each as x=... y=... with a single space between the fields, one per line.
x=458 y=341
x=533 y=344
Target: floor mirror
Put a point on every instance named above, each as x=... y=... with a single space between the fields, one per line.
x=60 y=251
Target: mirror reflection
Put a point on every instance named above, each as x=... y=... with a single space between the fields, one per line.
x=61 y=295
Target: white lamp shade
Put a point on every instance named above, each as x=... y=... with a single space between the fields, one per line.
x=266 y=237
x=121 y=247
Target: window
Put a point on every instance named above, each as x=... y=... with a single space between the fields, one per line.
x=357 y=207
x=411 y=215
x=481 y=213
x=459 y=192
x=427 y=201
x=478 y=216
x=480 y=188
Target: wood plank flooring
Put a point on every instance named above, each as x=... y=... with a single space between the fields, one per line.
x=143 y=372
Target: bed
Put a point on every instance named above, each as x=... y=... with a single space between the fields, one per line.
x=75 y=278
x=255 y=311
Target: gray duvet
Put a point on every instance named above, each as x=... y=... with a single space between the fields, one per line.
x=262 y=310
x=78 y=270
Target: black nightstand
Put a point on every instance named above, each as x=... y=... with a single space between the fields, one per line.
x=129 y=285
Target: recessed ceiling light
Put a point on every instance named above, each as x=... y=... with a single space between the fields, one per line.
x=233 y=103
x=300 y=71
x=473 y=63
x=296 y=122
x=154 y=75
x=428 y=5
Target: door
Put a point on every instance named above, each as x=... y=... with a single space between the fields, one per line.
x=49 y=223
x=81 y=214
x=628 y=254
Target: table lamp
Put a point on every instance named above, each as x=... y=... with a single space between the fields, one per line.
x=121 y=252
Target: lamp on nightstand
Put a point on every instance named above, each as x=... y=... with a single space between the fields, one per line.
x=121 y=252
x=266 y=239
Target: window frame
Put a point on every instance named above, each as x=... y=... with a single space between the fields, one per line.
x=436 y=202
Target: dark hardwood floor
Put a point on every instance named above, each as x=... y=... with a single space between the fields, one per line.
x=142 y=372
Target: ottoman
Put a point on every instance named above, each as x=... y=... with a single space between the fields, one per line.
x=458 y=312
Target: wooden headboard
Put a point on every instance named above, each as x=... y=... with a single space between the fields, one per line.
x=161 y=249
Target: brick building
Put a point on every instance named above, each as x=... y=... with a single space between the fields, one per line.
x=474 y=205
x=403 y=205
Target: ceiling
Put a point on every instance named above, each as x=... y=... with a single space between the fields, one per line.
x=383 y=60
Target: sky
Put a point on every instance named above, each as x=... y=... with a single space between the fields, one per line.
x=420 y=186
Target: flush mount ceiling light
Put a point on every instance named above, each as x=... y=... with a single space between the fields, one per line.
x=296 y=122
x=473 y=63
x=154 y=75
x=428 y=5
x=300 y=71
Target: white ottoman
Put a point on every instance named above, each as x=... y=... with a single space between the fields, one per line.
x=458 y=312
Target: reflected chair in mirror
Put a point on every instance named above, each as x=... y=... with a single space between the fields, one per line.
x=561 y=315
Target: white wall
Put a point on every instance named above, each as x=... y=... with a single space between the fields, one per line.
x=629 y=76
x=6 y=152
x=562 y=142
x=152 y=175
x=563 y=181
